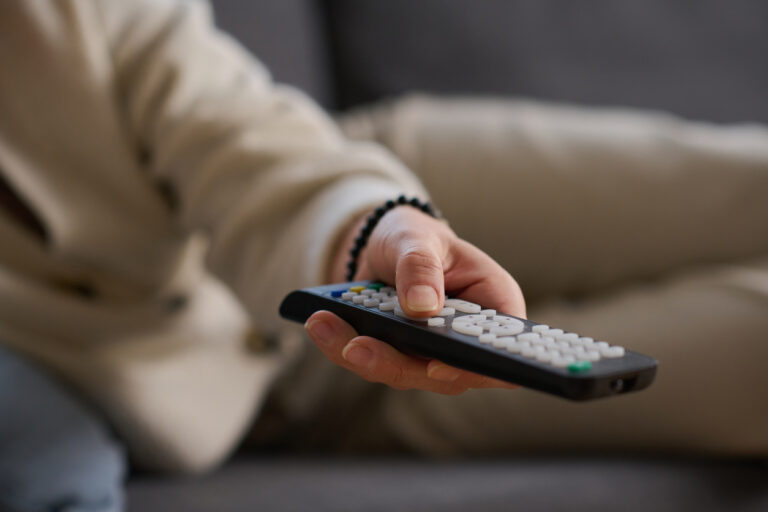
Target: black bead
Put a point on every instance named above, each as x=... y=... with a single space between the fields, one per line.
x=359 y=241
x=402 y=200
x=367 y=229
x=389 y=204
x=415 y=202
x=355 y=251
x=379 y=212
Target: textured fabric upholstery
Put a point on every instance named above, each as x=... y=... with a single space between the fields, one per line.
x=701 y=60
x=407 y=485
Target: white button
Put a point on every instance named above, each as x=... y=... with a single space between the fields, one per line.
x=503 y=342
x=447 y=312
x=468 y=329
x=612 y=352
x=600 y=345
x=368 y=291
x=586 y=341
x=529 y=336
x=371 y=303
x=436 y=322
x=532 y=351
x=488 y=324
x=401 y=313
x=387 y=306
x=486 y=338
x=504 y=320
x=549 y=342
x=380 y=296
x=471 y=318
x=568 y=336
x=463 y=306
x=563 y=344
x=540 y=328
x=387 y=289
x=590 y=355
x=359 y=299
x=544 y=357
x=488 y=312
x=553 y=332
x=507 y=330
x=347 y=295
x=515 y=347
x=563 y=361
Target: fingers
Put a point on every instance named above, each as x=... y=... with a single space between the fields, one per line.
x=407 y=248
x=440 y=371
x=376 y=361
x=480 y=279
x=419 y=280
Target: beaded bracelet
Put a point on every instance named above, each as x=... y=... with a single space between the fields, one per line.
x=374 y=219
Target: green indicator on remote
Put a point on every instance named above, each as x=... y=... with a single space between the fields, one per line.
x=376 y=286
x=579 y=366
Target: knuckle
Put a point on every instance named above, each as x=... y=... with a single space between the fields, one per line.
x=420 y=260
x=398 y=378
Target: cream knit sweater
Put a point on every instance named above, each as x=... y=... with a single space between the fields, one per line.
x=155 y=152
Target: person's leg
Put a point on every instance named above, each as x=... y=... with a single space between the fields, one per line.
x=55 y=454
x=647 y=223
x=707 y=329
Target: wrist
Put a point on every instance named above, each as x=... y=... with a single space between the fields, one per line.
x=338 y=264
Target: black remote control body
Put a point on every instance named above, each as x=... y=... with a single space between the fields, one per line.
x=511 y=349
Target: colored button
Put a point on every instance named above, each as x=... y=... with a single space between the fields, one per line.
x=376 y=286
x=356 y=289
x=337 y=293
x=579 y=366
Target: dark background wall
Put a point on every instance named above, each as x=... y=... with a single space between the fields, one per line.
x=703 y=59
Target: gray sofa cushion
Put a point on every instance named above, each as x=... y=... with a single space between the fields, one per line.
x=702 y=59
x=403 y=485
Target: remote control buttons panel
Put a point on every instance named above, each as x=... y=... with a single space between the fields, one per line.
x=496 y=331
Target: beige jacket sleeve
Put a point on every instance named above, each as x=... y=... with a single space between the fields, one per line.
x=256 y=166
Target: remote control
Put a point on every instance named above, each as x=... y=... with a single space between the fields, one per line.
x=467 y=336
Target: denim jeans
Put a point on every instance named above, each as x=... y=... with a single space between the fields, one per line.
x=55 y=453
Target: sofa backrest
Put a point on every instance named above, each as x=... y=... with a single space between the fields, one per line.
x=703 y=59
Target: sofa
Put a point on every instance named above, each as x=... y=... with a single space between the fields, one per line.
x=698 y=60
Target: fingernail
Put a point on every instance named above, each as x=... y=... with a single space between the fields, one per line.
x=443 y=373
x=421 y=297
x=320 y=331
x=357 y=355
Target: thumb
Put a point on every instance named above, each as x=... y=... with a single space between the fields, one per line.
x=419 y=281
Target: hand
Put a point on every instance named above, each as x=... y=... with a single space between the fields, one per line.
x=423 y=257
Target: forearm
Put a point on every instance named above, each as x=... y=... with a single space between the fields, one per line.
x=257 y=167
